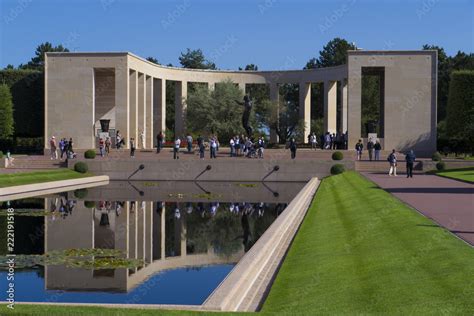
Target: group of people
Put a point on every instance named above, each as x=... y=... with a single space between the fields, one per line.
x=246 y=146
x=65 y=148
x=328 y=141
x=373 y=148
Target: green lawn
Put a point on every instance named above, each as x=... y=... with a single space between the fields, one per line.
x=11 y=179
x=465 y=174
x=359 y=251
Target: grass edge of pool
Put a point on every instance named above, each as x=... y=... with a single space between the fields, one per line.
x=462 y=174
x=23 y=178
x=359 y=250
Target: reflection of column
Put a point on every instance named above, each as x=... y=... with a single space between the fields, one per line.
x=274 y=97
x=141 y=107
x=149 y=233
x=177 y=235
x=121 y=229
x=159 y=107
x=183 y=234
x=121 y=101
x=149 y=113
x=133 y=235
x=163 y=231
x=181 y=94
x=330 y=106
x=343 y=98
x=141 y=229
x=133 y=106
x=305 y=108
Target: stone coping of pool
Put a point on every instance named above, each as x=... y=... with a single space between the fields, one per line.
x=29 y=190
x=246 y=286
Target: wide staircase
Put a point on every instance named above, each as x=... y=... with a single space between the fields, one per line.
x=36 y=162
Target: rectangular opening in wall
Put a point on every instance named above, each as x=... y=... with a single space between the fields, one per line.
x=373 y=101
x=104 y=97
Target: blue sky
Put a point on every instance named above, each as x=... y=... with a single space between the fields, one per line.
x=274 y=34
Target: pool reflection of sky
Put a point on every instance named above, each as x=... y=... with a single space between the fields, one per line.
x=189 y=286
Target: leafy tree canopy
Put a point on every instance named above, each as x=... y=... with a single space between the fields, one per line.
x=6 y=110
x=37 y=62
x=334 y=53
x=195 y=59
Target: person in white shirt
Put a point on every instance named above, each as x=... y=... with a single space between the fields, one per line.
x=232 y=147
x=177 y=144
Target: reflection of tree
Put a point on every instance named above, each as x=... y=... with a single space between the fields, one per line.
x=224 y=230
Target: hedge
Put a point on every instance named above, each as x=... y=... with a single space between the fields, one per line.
x=436 y=156
x=441 y=165
x=27 y=89
x=337 y=169
x=337 y=155
x=81 y=167
x=89 y=154
x=460 y=110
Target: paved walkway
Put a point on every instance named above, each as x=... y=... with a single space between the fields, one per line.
x=448 y=202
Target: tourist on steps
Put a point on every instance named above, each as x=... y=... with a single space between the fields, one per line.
x=359 y=147
x=377 y=148
x=392 y=160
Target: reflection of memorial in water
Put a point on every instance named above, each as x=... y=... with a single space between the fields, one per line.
x=165 y=235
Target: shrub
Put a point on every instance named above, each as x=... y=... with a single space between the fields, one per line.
x=89 y=154
x=436 y=156
x=1 y=154
x=337 y=169
x=441 y=165
x=81 y=167
x=89 y=204
x=337 y=155
x=80 y=193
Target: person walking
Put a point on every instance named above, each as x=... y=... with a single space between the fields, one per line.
x=359 y=147
x=377 y=148
x=132 y=147
x=293 y=148
x=213 y=147
x=261 y=147
x=10 y=160
x=189 y=142
x=392 y=160
x=177 y=144
x=108 y=143
x=159 y=142
x=53 y=148
x=201 y=146
x=237 y=146
x=101 y=147
x=410 y=159
x=370 y=148
x=61 y=148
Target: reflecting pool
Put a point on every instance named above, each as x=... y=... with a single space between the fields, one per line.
x=137 y=242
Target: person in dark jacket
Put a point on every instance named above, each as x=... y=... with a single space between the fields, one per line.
x=293 y=148
x=410 y=159
x=370 y=148
x=359 y=147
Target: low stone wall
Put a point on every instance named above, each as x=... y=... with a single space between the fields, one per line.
x=220 y=170
x=450 y=164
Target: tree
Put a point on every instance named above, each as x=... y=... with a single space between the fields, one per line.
x=460 y=111
x=195 y=59
x=6 y=110
x=153 y=60
x=215 y=112
x=334 y=53
x=250 y=67
x=444 y=71
x=9 y=67
x=37 y=62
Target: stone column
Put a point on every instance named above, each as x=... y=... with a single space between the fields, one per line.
x=305 y=108
x=159 y=107
x=330 y=106
x=122 y=118
x=149 y=113
x=354 y=97
x=211 y=86
x=141 y=108
x=343 y=118
x=242 y=86
x=180 y=108
x=133 y=107
x=274 y=97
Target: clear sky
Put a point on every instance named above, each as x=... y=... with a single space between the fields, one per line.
x=274 y=34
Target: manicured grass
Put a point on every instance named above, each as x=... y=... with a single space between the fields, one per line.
x=362 y=251
x=11 y=179
x=464 y=174
x=359 y=251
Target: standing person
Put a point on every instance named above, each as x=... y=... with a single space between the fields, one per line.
x=345 y=140
x=392 y=160
x=370 y=148
x=410 y=159
x=359 y=147
x=142 y=139
x=232 y=147
x=132 y=147
x=261 y=146
x=237 y=145
x=201 y=146
x=314 y=141
x=61 y=148
x=333 y=141
x=177 y=144
x=377 y=148
x=70 y=151
x=101 y=147
x=189 y=143
x=213 y=147
x=108 y=143
x=53 y=148
x=118 y=140
x=9 y=159
x=327 y=141
x=293 y=148
x=159 y=142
